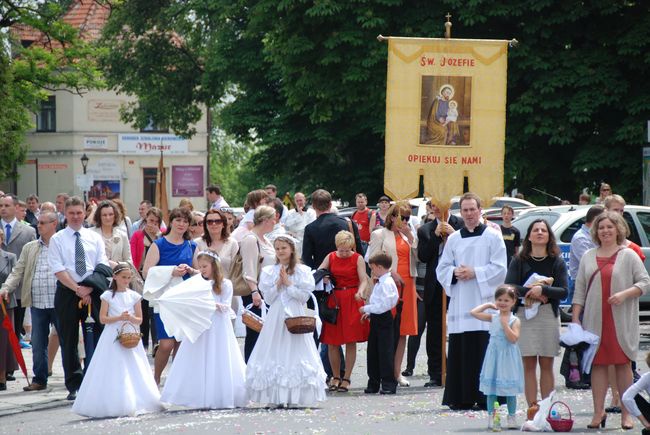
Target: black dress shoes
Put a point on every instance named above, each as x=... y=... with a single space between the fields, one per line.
x=10 y=377
x=371 y=390
x=433 y=383
x=386 y=391
x=407 y=372
x=72 y=395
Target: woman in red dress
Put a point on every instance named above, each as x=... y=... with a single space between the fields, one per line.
x=610 y=280
x=348 y=271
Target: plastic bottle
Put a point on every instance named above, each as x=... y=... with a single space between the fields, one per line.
x=496 y=418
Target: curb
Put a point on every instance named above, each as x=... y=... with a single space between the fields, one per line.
x=39 y=406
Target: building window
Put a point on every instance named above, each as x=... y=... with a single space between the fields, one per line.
x=149 y=176
x=153 y=128
x=46 y=117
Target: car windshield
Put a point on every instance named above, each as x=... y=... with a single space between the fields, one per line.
x=523 y=222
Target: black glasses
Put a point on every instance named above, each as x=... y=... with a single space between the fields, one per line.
x=196 y=224
x=45 y=222
x=214 y=221
x=404 y=218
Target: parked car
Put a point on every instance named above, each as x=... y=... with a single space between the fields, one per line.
x=566 y=220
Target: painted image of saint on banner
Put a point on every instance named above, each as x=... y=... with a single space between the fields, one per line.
x=445 y=110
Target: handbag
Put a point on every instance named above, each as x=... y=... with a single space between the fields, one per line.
x=327 y=314
x=240 y=286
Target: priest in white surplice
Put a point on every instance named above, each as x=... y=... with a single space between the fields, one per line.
x=472 y=265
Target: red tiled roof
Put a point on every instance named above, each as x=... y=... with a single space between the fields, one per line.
x=88 y=16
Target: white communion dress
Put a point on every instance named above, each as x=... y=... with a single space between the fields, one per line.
x=285 y=368
x=210 y=373
x=118 y=381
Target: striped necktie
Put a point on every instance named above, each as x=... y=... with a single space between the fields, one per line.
x=79 y=255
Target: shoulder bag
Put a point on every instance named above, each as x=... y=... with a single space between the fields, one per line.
x=240 y=286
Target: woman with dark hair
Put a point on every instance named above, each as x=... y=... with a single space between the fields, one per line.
x=397 y=240
x=124 y=222
x=173 y=249
x=107 y=219
x=141 y=241
x=216 y=238
x=539 y=274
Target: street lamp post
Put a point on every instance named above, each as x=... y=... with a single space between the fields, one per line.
x=84 y=165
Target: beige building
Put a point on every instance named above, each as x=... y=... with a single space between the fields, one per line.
x=121 y=162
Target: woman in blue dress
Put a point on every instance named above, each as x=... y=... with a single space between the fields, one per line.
x=175 y=248
x=503 y=371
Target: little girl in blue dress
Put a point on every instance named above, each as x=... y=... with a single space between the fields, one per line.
x=503 y=371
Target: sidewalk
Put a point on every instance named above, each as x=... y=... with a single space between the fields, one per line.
x=15 y=400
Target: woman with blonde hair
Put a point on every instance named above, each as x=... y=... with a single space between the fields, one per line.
x=256 y=252
x=609 y=283
x=348 y=270
x=397 y=240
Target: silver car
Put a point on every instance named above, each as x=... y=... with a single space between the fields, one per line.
x=566 y=220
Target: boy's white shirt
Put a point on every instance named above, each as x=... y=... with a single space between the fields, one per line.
x=384 y=296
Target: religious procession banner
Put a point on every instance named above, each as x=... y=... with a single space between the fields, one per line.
x=445 y=117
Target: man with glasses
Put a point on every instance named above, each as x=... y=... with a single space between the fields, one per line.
x=37 y=291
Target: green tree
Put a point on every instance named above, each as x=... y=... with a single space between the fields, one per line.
x=231 y=168
x=308 y=80
x=27 y=74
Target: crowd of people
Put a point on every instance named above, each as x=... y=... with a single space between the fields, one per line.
x=381 y=276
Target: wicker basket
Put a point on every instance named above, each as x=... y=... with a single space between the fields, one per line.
x=561 y=424
x=252 y=320
x=129 y=339
x=301 y=324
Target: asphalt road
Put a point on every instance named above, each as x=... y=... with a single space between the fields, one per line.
x=414 y=410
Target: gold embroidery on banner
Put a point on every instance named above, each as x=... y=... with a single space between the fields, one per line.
x=446 y=47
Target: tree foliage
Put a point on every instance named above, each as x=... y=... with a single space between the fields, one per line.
x=309 y=82
x=28 y=74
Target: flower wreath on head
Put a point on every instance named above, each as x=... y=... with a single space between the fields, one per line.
x=210 y=254
x=285 y=238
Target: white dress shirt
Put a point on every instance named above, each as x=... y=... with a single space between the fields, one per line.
x=384 y=296
x=62 y=252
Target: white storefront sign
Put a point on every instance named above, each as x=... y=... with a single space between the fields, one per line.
x=104 y=169
x=96 y=143
x=151 y=144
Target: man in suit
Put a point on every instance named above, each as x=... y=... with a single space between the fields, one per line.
x=319 y=241
x=61 y=198
x=319 y=235
x=33 y=211
x=430 y=242
x=17 y=235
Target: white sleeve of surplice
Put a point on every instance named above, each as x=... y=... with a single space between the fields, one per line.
x=492 y=275
x=447 y=264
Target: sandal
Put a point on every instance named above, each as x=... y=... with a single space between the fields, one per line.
x=334 y=386
x=343 y=389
